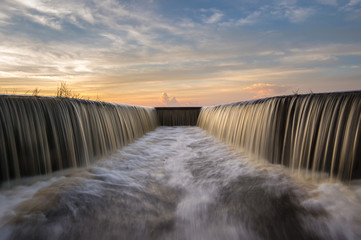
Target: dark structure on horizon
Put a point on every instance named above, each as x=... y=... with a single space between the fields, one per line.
x=178 y=116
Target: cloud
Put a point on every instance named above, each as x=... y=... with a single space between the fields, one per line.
x=262 y=90
x=298 y=15
x=46 y=21
x=216 y=15
x=309 y=59
x=354 y=2
x=250 y=19
x=352 y=10
x=54 y=14
x=287 y=10
x=328 y=2
x=351 y=67
x=3 y=16
x=214 y=18
x=167 y=101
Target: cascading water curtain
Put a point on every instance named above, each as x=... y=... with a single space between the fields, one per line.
x=315 y=132
x=39 y=135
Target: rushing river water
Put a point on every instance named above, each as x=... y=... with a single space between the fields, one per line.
x=180 y=183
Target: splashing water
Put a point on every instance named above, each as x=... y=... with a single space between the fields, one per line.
x=179 y=183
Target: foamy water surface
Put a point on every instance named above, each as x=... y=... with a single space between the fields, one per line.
x=179 y=183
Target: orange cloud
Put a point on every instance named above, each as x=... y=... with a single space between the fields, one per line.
x=262 y=90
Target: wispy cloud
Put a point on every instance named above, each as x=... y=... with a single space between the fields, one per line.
x=287 y=10
x=298 y=15
x=351 y=67
x=353 y=10
x=291 y=11
x=213 y=15
x=354 y=2
x=4 y=19
x=262 y=90
x=46 y=21
x=250 y=19
x=328 y=2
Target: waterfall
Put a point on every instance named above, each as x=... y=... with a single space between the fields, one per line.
x=315 y=132
x=39 y=135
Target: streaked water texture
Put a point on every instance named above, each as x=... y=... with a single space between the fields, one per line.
x=316 y=132
x=39 y=135
x=179 y=183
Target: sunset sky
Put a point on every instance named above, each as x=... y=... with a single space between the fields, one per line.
x=172 y=52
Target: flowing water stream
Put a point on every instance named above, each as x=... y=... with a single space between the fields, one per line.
x=179 y=183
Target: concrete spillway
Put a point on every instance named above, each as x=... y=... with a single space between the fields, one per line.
x=40 y=135
x=314 y=132
x=317 y=132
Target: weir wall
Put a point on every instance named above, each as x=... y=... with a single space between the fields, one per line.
x=314 y=132
x=39 y=135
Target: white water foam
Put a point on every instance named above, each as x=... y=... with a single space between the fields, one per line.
x=179 y=183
